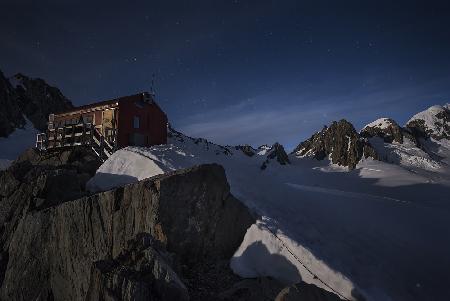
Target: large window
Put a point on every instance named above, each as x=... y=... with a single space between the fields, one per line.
x=136 y=122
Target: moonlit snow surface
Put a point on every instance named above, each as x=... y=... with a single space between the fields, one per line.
x=380 y=230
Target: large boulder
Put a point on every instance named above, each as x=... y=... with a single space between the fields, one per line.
x=190 y=213
x=340 y=142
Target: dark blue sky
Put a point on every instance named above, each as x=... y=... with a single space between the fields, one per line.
x=239 y=71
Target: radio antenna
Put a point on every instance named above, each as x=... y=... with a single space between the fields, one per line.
x=152 y=89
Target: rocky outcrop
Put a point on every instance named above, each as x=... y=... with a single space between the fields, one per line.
x=141 y=272
x=37 y=181
x=64 y=251
x=340 y=142
x=37 y=100
x=276 y=152
x=385 y=128
x=10 y=113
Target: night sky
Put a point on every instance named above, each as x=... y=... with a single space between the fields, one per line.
x=239 y=71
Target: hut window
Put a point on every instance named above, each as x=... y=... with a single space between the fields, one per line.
x=136 y=122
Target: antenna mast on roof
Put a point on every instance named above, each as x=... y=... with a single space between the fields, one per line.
x=152 y=88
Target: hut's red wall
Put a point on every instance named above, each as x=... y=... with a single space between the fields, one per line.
x=153 y=121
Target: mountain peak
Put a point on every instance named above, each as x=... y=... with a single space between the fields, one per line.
x=340 y=142
x=37 y=99
x=385 y=128
x=433 y=122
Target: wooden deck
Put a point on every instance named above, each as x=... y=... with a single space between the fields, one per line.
x=82 y=134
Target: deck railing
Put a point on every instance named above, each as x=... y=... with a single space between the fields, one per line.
x=75 y=135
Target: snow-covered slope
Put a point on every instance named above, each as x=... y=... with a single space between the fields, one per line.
x=421 y=145
x=380 y=230
x=433 y=122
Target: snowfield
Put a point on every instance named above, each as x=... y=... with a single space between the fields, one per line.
x=381 y=231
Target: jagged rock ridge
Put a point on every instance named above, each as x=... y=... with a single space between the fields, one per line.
x=340 y=142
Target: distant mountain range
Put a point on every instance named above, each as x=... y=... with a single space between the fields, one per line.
x=343 y=145
x=27 y=102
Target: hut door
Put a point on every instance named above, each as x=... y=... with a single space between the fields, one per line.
x=108 y=125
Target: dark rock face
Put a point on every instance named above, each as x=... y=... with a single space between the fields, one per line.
x=37 y=100
x=32 y=98
x=190 y=213
x=305 y=291
x=418 y=129
x=141 y=272
x=276 y=152
x=37 y=181
x=10 y=114
x=390 y=133
x=340 y=142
